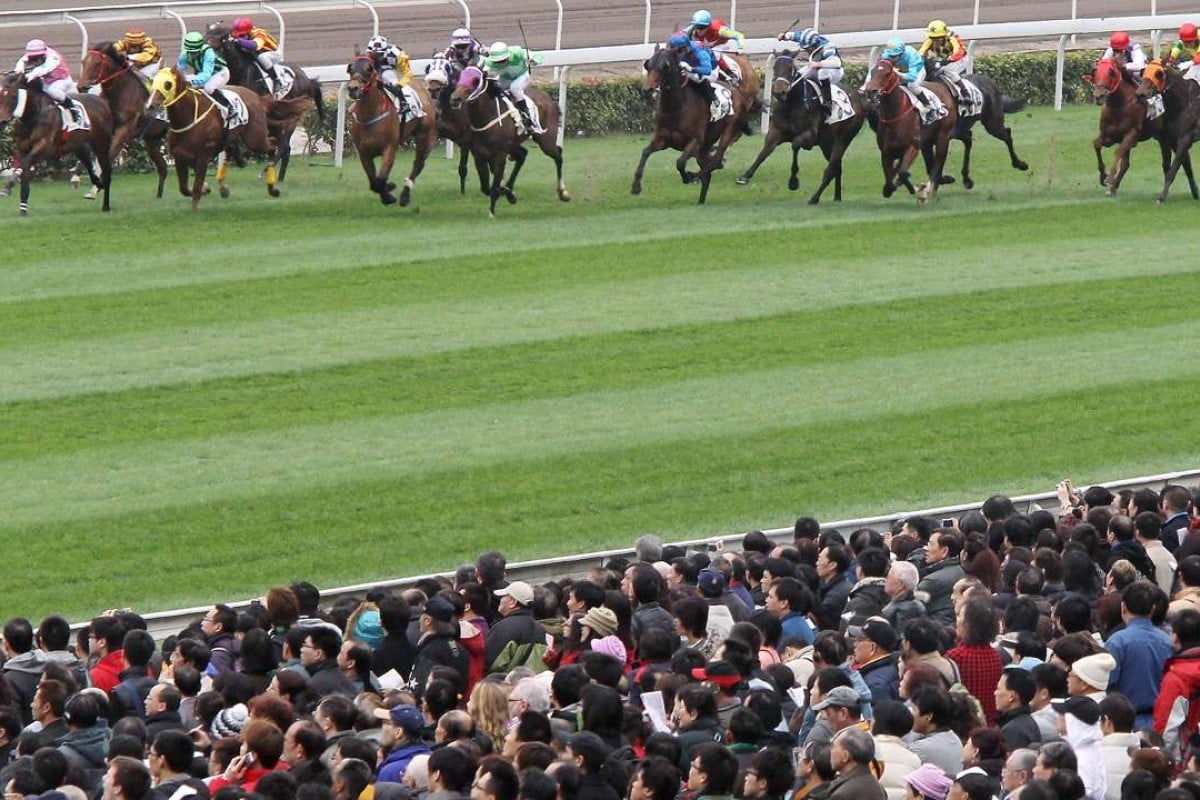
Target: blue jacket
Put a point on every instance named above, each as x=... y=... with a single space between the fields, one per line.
x=1140 y=649
x=794 y=624
x=699 y=57
x=911 y=66
x=205 y=63
x=393 y=767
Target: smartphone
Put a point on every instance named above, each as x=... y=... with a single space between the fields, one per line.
x=248 y=759
x=948 y=522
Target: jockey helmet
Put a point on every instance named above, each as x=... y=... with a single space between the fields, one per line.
x=937 y=30
x=242 y=27
x=1119 y=41
x=894 y=48
x=678 y=40
x=808 y=38
x=702 y=18
x=460 y=36
x=193 y=42
x=135 y=36
x=35 y=47
x=1188 y=33
x=377 y=44
x=498 y=51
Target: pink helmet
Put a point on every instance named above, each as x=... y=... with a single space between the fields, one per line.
x=1119 y=41
x=241 y=27
x=35 y=47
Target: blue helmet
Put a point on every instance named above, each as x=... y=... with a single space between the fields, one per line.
x=808 y=38
x=894 y=48
x=702 y=19
x=678 y=40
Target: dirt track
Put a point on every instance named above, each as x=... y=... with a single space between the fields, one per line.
x=329 y=38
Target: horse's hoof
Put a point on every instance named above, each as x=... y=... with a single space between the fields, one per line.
x=206 y=190
x=1021 y=165
x=90 y=194
x=946 y=180
x=793 y=184
x=511 y=197
x=742 y=181
x=387 y=199
x=634 y=190
x=224 y=192
x=812 y=201
x=564 y=196
x=24 y=212
x=389 y=187
x=405 y=197
x=968 y=183
x=888 y=191
x=273 y=191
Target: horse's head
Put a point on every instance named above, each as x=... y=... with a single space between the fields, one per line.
x=1105 y=79
x=216 y=35
x=100 y=64
x=471 y=84
x=1154 y=80
x=439 y=73
x=168 y=85
x=10 y=87
x=363 y=75
x=882 y=79
x=782 y=74
x=662 y=67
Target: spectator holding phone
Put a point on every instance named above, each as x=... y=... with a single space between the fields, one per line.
x=262 y=747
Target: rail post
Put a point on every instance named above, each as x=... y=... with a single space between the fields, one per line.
x=1060 y=61
x=339 y=136
x=83 y=33
x=562 y=102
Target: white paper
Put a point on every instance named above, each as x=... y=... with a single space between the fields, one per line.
x=797 y=695
x=653 y=703
x=390 y=680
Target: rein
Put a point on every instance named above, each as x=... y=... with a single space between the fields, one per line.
x=195 y=109
x=388 y=108
x=105 y=77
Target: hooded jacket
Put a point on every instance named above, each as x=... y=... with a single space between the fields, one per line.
x=472 y=640
x=904 y=608
x=1085 y=741
x=936 y=587
x=85 y=749
x=23 y=672
x=393 y=767
x=867 y=599
x=71 y=662
x=1176 y=711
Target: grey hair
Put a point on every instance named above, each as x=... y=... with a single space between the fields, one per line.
x=858 y=743
x=649 y=548
x=906 y=573
x=535 y=692
x=1023 y=759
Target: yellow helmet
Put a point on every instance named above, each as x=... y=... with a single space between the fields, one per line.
x=135 y=36
x=937 y=30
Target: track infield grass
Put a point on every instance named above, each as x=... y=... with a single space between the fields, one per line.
x=198 y=407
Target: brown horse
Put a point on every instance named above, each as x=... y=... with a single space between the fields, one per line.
x=126 y=92
x=1181 y=119
x=197 y=132
x=38 y=134
x=683 y=122
x=750 y=86
x=1123 y=121
x=799 y=119
x=378 y=132
x=497 y=132
x=244 y=71
x=901 y=134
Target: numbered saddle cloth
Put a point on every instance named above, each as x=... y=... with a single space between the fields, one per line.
x=1155 y=107
x=841 y=109
x=973 y=106
x=280 y=88
x=416 y=109
x=722 y=104
x=239 y=115
x=68 y=122
x=928 y=103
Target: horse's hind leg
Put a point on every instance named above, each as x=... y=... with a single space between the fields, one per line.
x=484 y=171
x=967 y=140
x=181 y=172
x=1098 y=145
x=419 y=157
x=548 y=142
x=154 y=147
x=496 y=163
x=994 y=124
x=285 y=151
x=833 y=173
x=1187 y=170
x=772 y=140
x=794 y=178
x=462 y=169
x=693 y=149
x=200 y=166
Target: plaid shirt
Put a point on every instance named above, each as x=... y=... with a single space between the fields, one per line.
x=980 y=669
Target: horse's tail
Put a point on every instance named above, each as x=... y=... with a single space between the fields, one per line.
x=287 y=111
x=1011 y=104
x=318 y=99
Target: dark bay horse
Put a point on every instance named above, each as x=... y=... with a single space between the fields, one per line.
x=991 y=115
x=1123 y=121
x=378 y=132
x=38 y=134
x=1181 y=119
x=495 y=135
x=803 y=123
x=244 y=71
x=901 y=134
x=126 y=92
x=197 y=130
x=682 y=122
x=453 y=125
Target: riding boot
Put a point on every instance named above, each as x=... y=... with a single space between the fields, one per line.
x=72 y=109
x=523 y=107
x=401 y=100
x=219 y=97
x=273 y=74
x=826 y=94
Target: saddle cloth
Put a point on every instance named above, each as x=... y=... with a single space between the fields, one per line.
x=842 y=109
x=68 y=122
x=287 y=78
x=974 y=106
x=722 y=105
x=931 y=106
x=416 y=109
x=239 y=116
x=1155 y=107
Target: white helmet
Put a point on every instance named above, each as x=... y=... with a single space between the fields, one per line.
x=378 y=44
x=498 y=51
x=461 y=36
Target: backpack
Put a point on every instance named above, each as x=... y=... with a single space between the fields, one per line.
x=514 y=655
x=131 y=701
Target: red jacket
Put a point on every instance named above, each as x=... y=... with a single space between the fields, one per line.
x=712 y=34
x=107 y=672
x=248 y=782
x=1181 y=681
x=474 y=645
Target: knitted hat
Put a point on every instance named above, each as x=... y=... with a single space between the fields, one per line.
x=367 y=629
x=230 y=721
x=930 y=781
x=602 y=621
x=1094 y=670
x=610 y=645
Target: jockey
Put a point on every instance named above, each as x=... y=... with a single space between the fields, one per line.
x=824 y=61
x=210 y=72
x=1186 y=51
x=141 y=50
x=720 y=38
x=946 y=50
x=464 y=49
x=911 y=69
x=1135 y=58
x=395 y=72
x=696 y=62
x=45 y=65
x=510 y=66
x=256 y=40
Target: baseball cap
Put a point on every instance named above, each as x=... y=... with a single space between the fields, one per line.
x=720 y=673
x=520 y=591
x=590 y=746
x=403 y=716
x=877 y=630
x=440 y=609
x=711 y=582
x=1085 y=709
x=840 y=696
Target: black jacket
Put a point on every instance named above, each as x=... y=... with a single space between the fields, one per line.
x=1018 y=727
x=394 y=653
x=1133 y=552
x=705 y=729
x=899 y=612
x=164 y=721
x=183 y=788
x=594 y=787
x=439 y=650
x=867 y=599
x=324 y=679
x=311 y=771
x=833 y=602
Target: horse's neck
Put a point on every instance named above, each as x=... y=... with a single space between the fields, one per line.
x=185 y=109
x=123 y=85
x=371 y=100
x=671 y=91
x=893 y=101
x=1122 y=96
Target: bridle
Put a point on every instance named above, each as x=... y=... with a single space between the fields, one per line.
x=105 y=64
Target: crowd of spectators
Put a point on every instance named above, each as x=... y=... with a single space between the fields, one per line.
x=1000 y=655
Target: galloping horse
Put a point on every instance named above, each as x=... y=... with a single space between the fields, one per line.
x=991 y=114
x=682 y=122
x=497 y=132
x=244 y=71
x=1181 y=119
x=197 y=132
x=38 y=134
x=453 y=125
x=1123 y=121
x=802 y=122
x=900 y=132
x=126 y=92
x=378 y=132
x=750 y=86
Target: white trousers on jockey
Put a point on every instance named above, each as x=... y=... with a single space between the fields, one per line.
x=516 y=87
x=823 y=74
x=59 y=89
x=964 y=66
x=727 y=46
x=268 y=59
x=151 y=69
x=217 y=81
x=1190 y=71
x=389 y=77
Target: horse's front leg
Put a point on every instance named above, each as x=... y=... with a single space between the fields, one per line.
x=655 y=145
x=1121 y=160
x=691 y=151
x=1098 y=145
x=773 y=139
x=518 y=156
x=200 y=167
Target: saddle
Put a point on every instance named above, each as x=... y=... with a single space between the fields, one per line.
x=927 y=103
x=280 y=88
x=68 y=122
x=416 y=108
x=237 y=114
x=722 y=104
x=972 y=104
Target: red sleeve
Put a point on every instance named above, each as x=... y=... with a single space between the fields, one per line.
x=1170 y=689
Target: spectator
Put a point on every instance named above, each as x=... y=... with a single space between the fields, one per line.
x=162 y=709
x=86 y=742
x=127 y=779
x=262 y=747
x=770 y=775
x=978 y=662
x=984 y=749
x=170 y=761
x=1051 y=682
x=1140 y=650
x=53 y=639
x=647 y=588
x=655 y=778
x=1014 y=692
x=128 y=697
x=1174 y=507
x=816 y=772
x=790 y=601
x=900 y=586
x=973 y=784
x=944 y=570
x=922 y=644
x=1089 y=676
x=450 y=774
x=1180 y=684
x=516 y=632
x=438 y=645
x=23 y=663
x=1117 y=743
x=840 y=708
x=588 y=752
x=394 y=651
x=928 y=782
x=1079 y=719
x=832 y=564
x=105 y=635
x=319 y=654
x=893 y=721
x=219 y=627
x=491 y=572
x=49 y=704
x=934 y=742
x=868 y=595
x=1148 y=533
x=696 y=722
x=875 y=657
x=712 y=772
x=1018 y=771
x=352 y=776
x=1188 y=596
x=724 y=680
x=401 y=740
x=691 y=622
x=303 y=744
x=852 y=754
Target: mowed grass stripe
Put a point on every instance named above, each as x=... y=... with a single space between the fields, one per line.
x=574 y=365
x=571 y=502
x=110 y=480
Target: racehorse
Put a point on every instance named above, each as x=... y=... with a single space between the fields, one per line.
x=1181 y=119
x=683 y=122
x=991 y=114
x=749 y=87
x=497 y=132
x=453 y=125
x=126 y=92
x=1122 y=121
x=197 y=130
x=378 y=132
x=901 y=134
x=244 y=71
x=800 y=120
x=38 y=134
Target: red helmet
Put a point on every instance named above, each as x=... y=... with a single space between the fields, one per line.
x=1187 y=32
x=1119 y=41
x=241 y=27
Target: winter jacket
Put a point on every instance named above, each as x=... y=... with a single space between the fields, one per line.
x=519 y=627
x=393 y=767
x=71 y=662
x=224 y=647
x=936 y=587
x=867 y=599
x=472 y=640
x=394 y=653
x=1019 y=727
x=704 y=729
x=898 y=761
x=249 y=780
x=856 y=783
x=899 y=611
x=23 y=672
x=882 y=677
x=940 y=748
x=1085 y=741
x=163 y=721
x=182 y=788
x=833 y=602
x=107 y=672
x=1133 y=552
x=128 y=698
x=85 y=750
x=649 y=616
x=325 y=679
x=1177 y=712
x=435 y=651
x=1114 y=749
